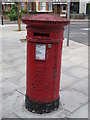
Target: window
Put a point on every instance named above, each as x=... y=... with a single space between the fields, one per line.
x=36 y=6
x=50 y=6
x=43 y=6
x=7 y=7
x=29 y=5
x=64 y=8
x=74 y=7
x=22 y=6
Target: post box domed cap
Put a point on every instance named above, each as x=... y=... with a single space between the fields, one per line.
x=44 y=18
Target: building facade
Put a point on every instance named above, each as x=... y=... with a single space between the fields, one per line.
x=48 y=7
x=57 y=7
x=6 y=6
x=37 y=6
x=60 y=8
x=84 y=7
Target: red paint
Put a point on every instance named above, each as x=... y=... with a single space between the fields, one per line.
x=43 y=76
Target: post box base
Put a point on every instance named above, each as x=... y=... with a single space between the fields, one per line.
x=40 y=108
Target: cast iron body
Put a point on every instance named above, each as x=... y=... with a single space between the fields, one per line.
x=44 y=51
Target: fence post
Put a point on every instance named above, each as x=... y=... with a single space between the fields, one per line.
x=2 y=19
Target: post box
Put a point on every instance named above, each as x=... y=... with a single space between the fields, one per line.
x=44 y=52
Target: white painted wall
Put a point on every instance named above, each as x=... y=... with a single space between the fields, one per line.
x=36 y=6
x=82 y=6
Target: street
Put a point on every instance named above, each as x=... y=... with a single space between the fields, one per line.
x=78 y=32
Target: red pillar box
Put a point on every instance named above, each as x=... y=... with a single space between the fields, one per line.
x=44 y=51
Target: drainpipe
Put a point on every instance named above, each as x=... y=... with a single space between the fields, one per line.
x=69 y=24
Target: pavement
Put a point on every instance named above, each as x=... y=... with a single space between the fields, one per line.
x=73 y=85
x=79 y=20
x=7 y=21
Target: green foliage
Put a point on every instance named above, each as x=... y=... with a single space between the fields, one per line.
x=89 y=7
x=24 y=11
x=5 y=12
x=13 y=14
x=89 y=11
x=33 y=12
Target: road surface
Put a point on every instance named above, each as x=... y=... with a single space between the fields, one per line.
x=78 y=32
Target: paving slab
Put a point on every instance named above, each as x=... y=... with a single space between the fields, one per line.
x=82 y=112
x=72 y=45
x=0 y=88
x=73 y=56
x=9 y=73
x=81 y=85
x=13 y=116
x=19 y=61
x=19 y=80
x=22 y=90
x=17 y=55
x=0 y=73
x=5 y=66
x=78 y=50
x=72 y=99
x=12 y=102
x=24 y=113
x=77 y=71
x=86 y=92
x=66 y=80
x=8 y=86
x=22 y=68
x=0 y=107
x=84 y=65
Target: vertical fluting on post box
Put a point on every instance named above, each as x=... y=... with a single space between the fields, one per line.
x=44 y=51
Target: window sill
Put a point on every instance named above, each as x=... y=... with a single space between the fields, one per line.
x=43 y=11
x=64 y=11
